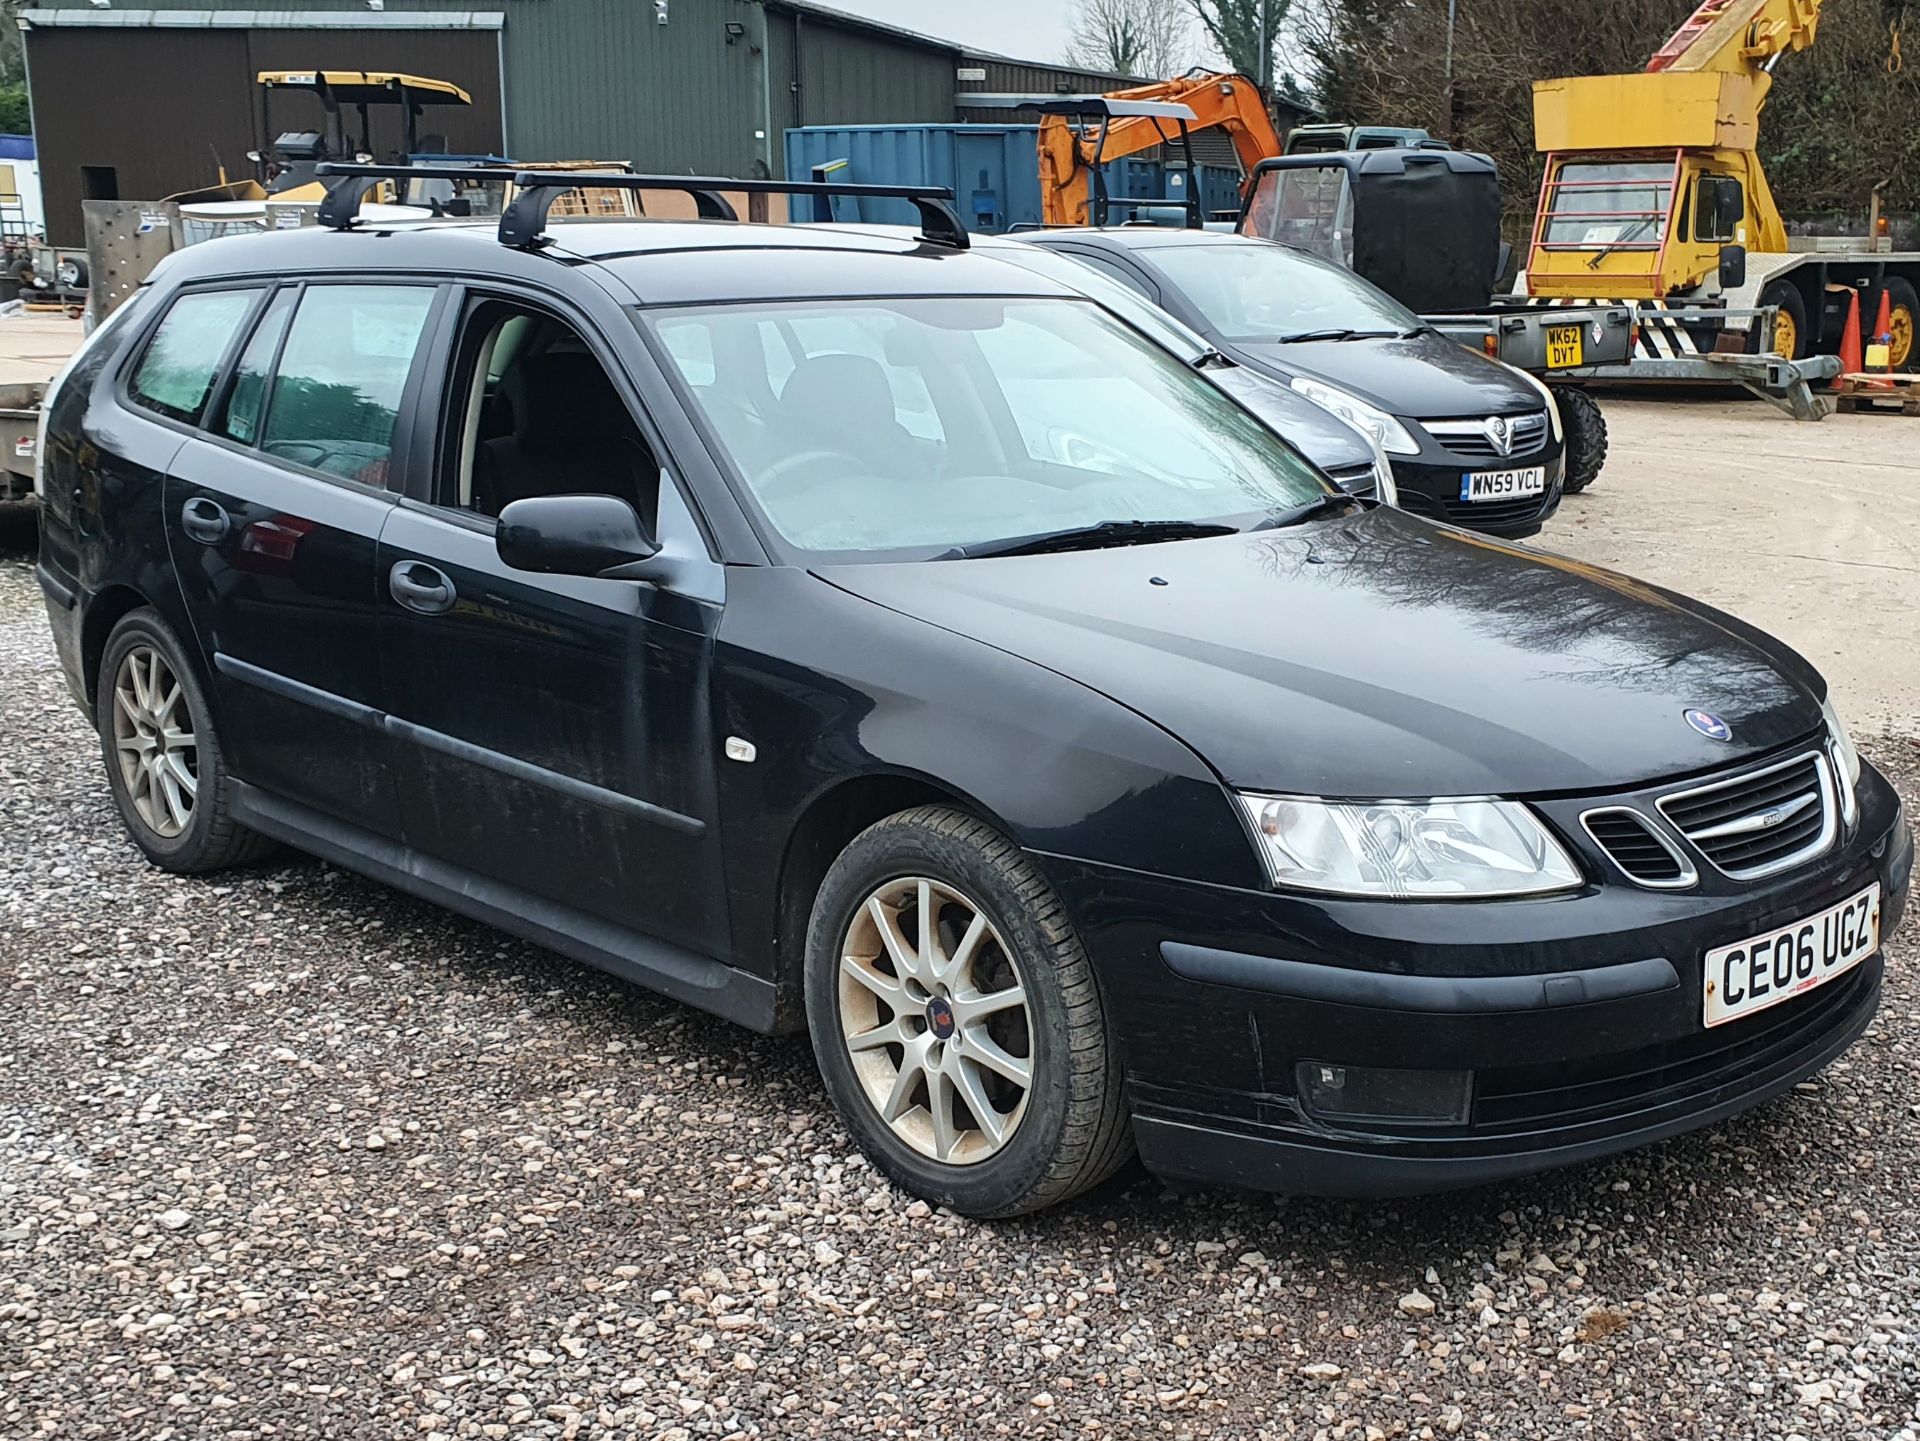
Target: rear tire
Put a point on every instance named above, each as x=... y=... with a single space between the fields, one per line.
x=1789 y=338
x=164 y=763
x=1585 y=427
x=899 y=1017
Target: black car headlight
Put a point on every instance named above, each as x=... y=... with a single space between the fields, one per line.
x=1408 y=850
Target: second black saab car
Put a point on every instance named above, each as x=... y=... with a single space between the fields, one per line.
x=731 y=607
x=1471 y=440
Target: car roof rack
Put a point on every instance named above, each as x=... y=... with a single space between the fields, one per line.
x=340 y=207
x=524 y=221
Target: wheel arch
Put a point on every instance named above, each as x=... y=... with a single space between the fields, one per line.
x=103 y=613
x=822 y=830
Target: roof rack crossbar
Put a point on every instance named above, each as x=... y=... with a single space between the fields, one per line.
x=525 y=218
x=353 y=183
x=524 y=221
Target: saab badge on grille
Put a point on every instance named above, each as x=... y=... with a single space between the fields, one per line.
x=1709 y=725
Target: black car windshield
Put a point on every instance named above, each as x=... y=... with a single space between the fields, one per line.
x=909 y=428
x=1260 y=291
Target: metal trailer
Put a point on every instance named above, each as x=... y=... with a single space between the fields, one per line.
x=19 y=440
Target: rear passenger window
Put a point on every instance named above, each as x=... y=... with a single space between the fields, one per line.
x=336 y=395
x=250 y=375
x=176 y=374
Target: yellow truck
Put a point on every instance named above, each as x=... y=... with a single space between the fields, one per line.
x=1654 y=193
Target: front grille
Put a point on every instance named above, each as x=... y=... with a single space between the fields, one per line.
x=1496 y=512
x=1569 y=1092
x=1762 y=822
x=1632 y=843
x=1357 y=480
x=1472 y=439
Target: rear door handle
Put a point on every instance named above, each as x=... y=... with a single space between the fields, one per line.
x=419 y=587
x=205 y=521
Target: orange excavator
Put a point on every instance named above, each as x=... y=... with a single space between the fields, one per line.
x=1073 y=148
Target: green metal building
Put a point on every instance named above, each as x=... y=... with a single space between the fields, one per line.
x=140 y=103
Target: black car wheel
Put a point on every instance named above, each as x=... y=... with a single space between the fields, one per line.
x=956 y=1019
x=1585 y=425
x=164 y=762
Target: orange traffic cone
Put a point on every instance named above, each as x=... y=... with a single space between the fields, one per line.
x=1851 y=362
x=1880 y=342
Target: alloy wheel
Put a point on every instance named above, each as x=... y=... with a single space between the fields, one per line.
x=934 y=1015
x=154 y=741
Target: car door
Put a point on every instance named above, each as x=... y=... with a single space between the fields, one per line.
x=273 y=510
x=552 y=732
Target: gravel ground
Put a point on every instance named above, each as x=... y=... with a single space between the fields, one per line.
x=286 y=1154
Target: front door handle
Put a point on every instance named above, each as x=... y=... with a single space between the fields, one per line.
x=419 y=587
x=205 y=520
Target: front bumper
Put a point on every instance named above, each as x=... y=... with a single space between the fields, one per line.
x=1580 y=1016
x=1430 y=484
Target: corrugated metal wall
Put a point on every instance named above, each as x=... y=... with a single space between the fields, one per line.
x=582 y=79
x=162 y=108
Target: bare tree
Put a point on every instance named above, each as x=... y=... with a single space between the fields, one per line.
x=1129 y=37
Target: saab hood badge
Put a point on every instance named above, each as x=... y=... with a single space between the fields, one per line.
x=1709 y=725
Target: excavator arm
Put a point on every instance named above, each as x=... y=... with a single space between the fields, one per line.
x=1068 y=153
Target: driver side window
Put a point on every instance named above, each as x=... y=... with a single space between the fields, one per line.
x=533 y=412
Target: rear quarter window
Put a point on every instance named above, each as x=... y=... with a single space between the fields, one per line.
x=176 y=372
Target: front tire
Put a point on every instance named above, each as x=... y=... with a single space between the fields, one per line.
x=956 y=1019
x=164 y=764
x=1585 y=426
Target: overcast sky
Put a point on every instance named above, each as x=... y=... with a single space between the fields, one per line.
x=1024 y=29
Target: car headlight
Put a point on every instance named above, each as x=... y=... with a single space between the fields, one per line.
x=1846 y=762
x=1408 y=849
x=1369 y=420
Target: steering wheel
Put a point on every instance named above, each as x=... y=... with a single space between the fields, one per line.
x=805 y=469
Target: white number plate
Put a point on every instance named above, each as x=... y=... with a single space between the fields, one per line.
x=1767 y=969
x=1503 y=484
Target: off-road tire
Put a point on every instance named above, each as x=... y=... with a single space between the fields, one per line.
x=1585 y=427
x=211 y=838
x=1077 y=1130
x=1788 y=298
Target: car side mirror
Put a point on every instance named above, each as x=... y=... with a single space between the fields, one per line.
x=598 y=535
x=1733 y=266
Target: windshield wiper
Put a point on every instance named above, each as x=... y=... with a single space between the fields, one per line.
x=1317 y=506
x=1623 y=238
x=1092 y=537
x=1347 y=334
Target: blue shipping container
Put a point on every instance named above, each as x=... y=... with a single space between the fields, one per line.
x=993 y=171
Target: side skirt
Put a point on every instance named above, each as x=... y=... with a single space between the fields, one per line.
x=657 y=965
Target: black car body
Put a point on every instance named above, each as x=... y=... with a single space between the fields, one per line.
x=327 y=488
x=1471 y=441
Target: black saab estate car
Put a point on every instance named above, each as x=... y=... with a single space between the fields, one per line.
x=731 y=607
x=1471 y=440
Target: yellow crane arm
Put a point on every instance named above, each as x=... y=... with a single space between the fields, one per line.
x=1739 y=37
x=1231 y=102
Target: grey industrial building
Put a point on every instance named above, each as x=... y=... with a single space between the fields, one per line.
x=138 y=103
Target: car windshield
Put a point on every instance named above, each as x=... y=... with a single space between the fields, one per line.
x=1618 y=205
x=1131 y=306
x=1258 y=291
x=903 y=429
